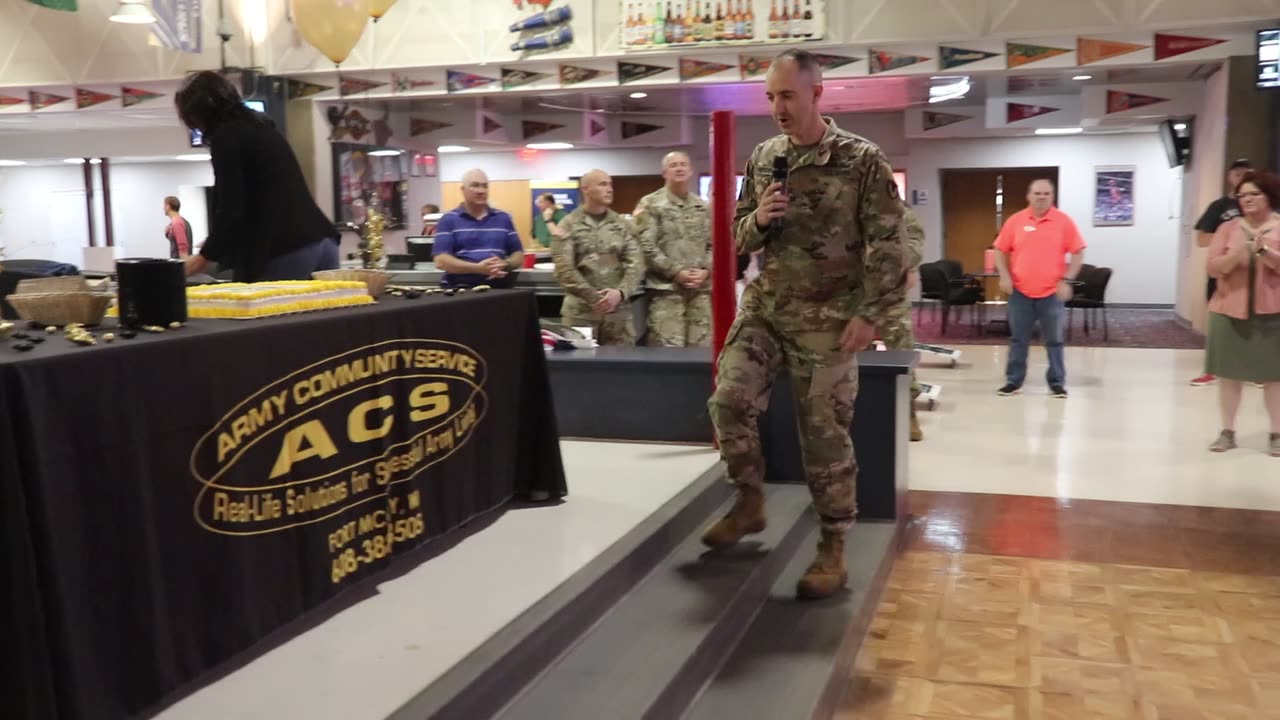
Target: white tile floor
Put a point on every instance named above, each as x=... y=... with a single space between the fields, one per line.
x=1132 y=430
x=368 y=660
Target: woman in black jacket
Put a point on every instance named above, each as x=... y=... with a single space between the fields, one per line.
x=265 y=224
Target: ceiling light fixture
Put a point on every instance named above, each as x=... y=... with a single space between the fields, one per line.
x=133 y=12
x=195 y=157
x=385 y=153
x=639 y=95
x=446 y=149
x=954 y=90
x=95 y=161
x=1082 y=77
x=11 y=163
x=550 y=146
x=1180 y=126
x=1059 y=131
x=74 y=161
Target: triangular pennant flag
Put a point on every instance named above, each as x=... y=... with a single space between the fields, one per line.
x=489 y=125
x=1089 y=50
x=691 y=69
x=884 y=61
x=828 y=62
x=754 y=65
x=67 y=5
x=351 y=86
x=89 y=98
x=302 y=89
x=6 y=100
x=631 y=72
x=513 y=78
x=1020 y=54
x=636 y=129
x=422 y=126
x=572 y=74
x=935 y=120
x=595 y=126
x=405 y=83
x=533 y=128
x=1019 y=111
x=1118 y=101
x=1168 y=46
x=41 y=100
x=457 y=81
x=955 y=57
x=132 y=96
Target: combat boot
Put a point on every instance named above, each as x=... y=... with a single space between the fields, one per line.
x=745 y=517
x=916 y=433
x=827 y=574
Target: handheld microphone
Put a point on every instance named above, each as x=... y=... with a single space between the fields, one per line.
x=780 y=170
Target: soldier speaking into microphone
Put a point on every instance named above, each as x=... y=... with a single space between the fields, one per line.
x=833 y=266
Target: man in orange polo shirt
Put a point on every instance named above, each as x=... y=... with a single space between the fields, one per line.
x=1031 y=256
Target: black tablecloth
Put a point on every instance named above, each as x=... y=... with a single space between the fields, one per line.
x=169 y=501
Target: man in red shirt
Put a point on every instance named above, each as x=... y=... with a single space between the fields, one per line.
x=178 y=231
x=1031 y=259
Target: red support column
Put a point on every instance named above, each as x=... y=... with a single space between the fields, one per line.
x=724 y=260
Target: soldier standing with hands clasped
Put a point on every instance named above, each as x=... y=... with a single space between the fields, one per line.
x=598 y=264
x=674 y=229
x=832 y=269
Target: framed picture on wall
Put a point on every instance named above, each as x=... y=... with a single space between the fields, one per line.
x=1113 y=196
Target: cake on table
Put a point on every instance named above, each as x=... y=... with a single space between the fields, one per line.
x=241 y=301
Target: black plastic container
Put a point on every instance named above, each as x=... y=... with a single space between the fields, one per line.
x=153 y=291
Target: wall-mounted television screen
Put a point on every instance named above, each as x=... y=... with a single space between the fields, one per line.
x=197 y=137
x=1268 y=58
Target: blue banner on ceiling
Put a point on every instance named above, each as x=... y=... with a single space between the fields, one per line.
x=178 y=24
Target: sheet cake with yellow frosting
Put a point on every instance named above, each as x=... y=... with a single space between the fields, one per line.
x=242 y=301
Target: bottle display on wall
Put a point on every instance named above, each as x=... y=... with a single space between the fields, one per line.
x=720 y=22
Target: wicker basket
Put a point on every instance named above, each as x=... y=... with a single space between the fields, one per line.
x=376 y=280
x=64 y=308
x=60 y=284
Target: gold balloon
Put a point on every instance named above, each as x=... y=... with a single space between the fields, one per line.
x=331 y=26
x=378 y=8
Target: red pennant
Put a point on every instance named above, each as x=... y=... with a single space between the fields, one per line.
x=6 y=100
x=1019 y=111
x=1168 y=46
x=89 y=98
x=422 y=126
x=694 y=69
x=1122 y=101
x=351 y=86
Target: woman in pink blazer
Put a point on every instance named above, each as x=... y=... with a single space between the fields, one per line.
x=1244 y=313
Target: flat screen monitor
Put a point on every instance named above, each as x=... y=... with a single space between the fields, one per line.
x=704 y=187
x=1268 y=65
x=197 y=138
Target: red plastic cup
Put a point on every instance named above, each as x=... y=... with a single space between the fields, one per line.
x=529 y=260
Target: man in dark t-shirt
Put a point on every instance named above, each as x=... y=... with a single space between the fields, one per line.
x=1219 y=212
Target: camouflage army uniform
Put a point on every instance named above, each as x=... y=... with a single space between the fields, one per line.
x=592 y=256
x=840 y=254
x=675 y=235
x=895 y=328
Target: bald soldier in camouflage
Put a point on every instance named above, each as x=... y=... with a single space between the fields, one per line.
x=828 y=277
x=674 y=229
x=599 y=265
x=895 y=330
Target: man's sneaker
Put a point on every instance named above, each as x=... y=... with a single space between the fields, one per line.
x=1205 y=379
x=1009 y=389
x=1058 y=391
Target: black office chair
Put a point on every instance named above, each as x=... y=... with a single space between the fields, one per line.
x=1091 y=295
x=957 y=290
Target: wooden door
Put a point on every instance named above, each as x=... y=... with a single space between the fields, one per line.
x=628 y=189
x=968 y=215
x=510 y=196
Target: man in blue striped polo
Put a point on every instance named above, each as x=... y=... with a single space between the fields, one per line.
x=474 y=243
